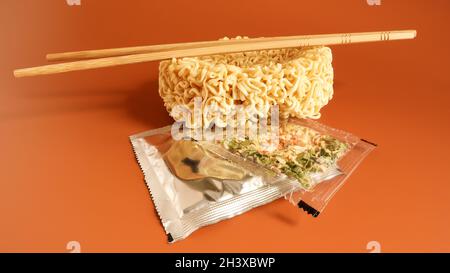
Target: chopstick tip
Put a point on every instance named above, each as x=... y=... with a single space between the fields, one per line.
x=17 y=73
x=52 y=57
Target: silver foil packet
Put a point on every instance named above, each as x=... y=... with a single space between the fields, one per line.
x=198 y=183
x=185 y=205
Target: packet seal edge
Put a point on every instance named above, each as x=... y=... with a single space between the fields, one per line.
x=145 y=168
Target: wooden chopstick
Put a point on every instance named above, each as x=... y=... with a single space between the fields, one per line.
x=230 y=46
x=111 y=52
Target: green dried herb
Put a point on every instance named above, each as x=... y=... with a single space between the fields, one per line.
x=316 y=159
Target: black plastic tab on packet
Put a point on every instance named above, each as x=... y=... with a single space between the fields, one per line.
x=371 y=143
x=308 y=208
x=169 y=237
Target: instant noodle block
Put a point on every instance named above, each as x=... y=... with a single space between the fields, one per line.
x=298 y=80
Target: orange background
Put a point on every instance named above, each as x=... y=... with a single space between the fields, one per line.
x=67 y=170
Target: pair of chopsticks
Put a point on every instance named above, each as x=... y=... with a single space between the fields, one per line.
x=90 y=59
